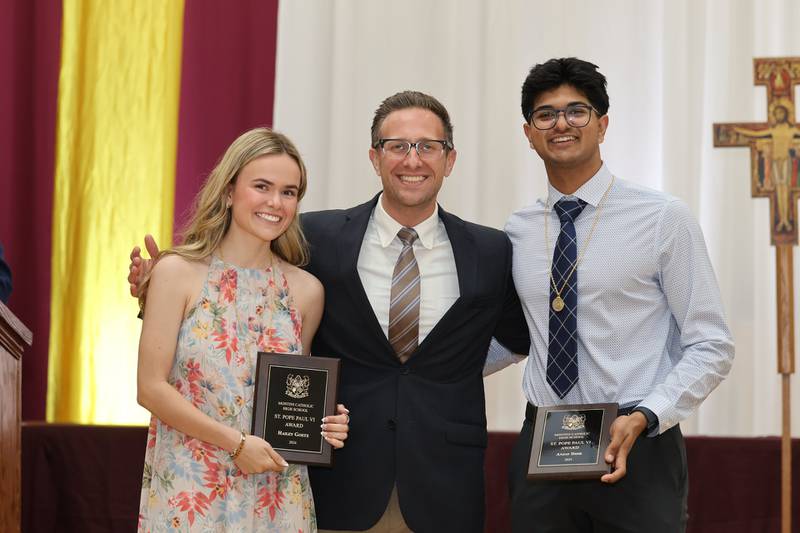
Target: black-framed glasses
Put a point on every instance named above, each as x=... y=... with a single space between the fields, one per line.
x=576 y=115
x=427 y=149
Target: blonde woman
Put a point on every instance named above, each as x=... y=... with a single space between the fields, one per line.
x=231 y=289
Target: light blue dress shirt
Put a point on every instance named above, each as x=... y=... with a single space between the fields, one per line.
x=651 y=329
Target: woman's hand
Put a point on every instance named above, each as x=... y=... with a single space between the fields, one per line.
x=257 y=457
x=335 y=428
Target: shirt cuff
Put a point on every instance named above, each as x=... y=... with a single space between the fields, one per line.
x=652 y=421
x=498 y=357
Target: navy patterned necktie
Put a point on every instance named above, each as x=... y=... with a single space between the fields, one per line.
x=562 y=353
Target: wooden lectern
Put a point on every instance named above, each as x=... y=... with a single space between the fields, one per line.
x=14 y=337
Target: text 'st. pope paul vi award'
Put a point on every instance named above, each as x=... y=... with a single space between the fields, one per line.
x=569 y=441
x=293 y=394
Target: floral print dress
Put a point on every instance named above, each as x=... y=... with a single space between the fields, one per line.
x=191 y=485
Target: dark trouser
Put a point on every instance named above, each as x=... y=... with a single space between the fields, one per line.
x=651 y=498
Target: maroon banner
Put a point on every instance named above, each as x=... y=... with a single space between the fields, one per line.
x=30 y=54
x=227 y=85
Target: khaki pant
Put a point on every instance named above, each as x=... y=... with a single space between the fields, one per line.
x=391 y=521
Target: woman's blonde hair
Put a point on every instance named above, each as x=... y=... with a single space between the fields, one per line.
x=211 y=217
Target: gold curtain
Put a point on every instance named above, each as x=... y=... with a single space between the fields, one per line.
x=116 y=145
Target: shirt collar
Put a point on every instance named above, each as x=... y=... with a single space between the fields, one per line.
x=590 y=192
x=388 y=227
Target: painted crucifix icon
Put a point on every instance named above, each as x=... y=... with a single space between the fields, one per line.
x=774 y=145
x=774 y=161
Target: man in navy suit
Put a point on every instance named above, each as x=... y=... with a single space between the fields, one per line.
x=414 y=455
x=5 y=278
x=417 y=428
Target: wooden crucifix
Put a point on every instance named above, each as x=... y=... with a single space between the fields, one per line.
x=774 y=173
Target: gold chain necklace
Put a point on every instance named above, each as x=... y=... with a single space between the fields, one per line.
x=558 y=301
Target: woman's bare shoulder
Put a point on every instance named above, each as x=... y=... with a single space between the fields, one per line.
x=174 y=264
x=174 y=268
x=303 y=285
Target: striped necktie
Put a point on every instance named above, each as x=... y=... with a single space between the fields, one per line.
x=404 y=302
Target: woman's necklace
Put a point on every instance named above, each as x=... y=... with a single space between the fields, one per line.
x=558 y=301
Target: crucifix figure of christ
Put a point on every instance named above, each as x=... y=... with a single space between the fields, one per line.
x=775 y=174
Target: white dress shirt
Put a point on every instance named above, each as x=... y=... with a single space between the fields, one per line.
x=437 y=267
x=651 y=329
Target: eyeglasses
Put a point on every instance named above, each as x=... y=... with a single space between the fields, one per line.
x=576 y=115
x=427 y=149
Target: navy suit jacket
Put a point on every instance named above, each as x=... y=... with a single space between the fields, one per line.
x=420 y=425
x=5 y=278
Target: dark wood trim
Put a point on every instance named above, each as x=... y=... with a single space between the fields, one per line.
x=14 y=338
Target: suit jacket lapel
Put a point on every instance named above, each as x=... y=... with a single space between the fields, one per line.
x=464 y=252
x=350 y=239
x=466 y=259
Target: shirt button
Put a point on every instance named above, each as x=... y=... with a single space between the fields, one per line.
x=392 y=424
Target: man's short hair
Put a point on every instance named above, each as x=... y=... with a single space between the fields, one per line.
x=408 y=100
x=554 y=73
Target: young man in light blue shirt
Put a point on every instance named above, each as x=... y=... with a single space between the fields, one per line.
x=622 y=306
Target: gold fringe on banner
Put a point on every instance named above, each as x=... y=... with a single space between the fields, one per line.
x=116 y=146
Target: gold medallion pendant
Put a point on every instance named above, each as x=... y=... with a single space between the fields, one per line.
x=558 y=304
